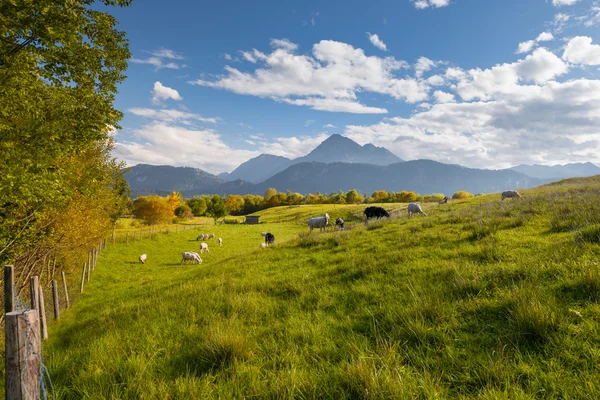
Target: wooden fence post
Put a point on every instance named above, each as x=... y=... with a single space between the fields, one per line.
x=89 y=271
x=9 y=285
x=22 y=352
x=55 y=300
x=83 y=277
x=44 y=325
x=34 y=292
x=65 y=286
x=127 y=238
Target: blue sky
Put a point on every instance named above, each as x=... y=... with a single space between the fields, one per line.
x=486 y=84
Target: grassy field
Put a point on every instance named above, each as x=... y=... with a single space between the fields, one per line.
x=480 y=299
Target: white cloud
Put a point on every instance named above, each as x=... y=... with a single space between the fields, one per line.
x=159 y=143
x=424 y=64
x=336 y=105
x=167 y=115
x=167 y=53
x=293 y=147
x=560 y=3
x=283 y=44
x=329 y=126
x=421 y=4
x=443 y=97
x=158 y=59
x=253 y=56
x=309 y=122
x=436 y=80
x=560 y=21
x=593 y=17
x=327 y=80
x=157 y=62
x=313 y=19
x=525 y=47
x=504 y=79
x=580 y=50
x=161 y=92
x=374 y=38
x=548 y=123
x=228 y=57
x=545 y=37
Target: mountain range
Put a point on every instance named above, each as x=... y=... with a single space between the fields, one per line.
x=334 y=149
x=339 y=163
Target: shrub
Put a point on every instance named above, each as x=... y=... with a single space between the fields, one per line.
x=460 y=195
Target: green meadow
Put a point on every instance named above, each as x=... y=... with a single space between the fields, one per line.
x=480 y=299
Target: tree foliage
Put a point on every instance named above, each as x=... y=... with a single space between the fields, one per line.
x=60 y=64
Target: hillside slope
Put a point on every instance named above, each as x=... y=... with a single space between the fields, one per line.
x=480 y=299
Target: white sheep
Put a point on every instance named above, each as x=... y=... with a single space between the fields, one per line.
x=203 y=246
x=320 y=222
x=513 y=194
x=143 y=258
x=200 y=237
x=262 y=246
x=263 y=234
x=414 y=208
x=220 y=242
x=212 y=235
x=191 y=256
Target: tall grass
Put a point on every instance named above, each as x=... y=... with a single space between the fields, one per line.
x=481 y=299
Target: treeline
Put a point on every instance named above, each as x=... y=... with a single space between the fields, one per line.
x=60 y=189
x=173 y=208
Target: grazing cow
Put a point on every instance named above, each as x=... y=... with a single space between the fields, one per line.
x=319 y=222
x=375 y=212
x=269 y=239
x=513 y=194
x=339 y=223
x=414 y=208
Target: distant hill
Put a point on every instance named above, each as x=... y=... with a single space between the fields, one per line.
x=421 y=176
x=573 y=170
x=335 y=148
x=147 y=179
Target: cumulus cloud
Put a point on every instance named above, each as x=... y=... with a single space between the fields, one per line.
x=548 y=122
x=161 y=92
x=527 y=46
x=329 y=126
x=443 y=97
x=159 y=143
x=293 y=147
x=374 y=38
x=327 y=80
x=421 y=4
x=545 y=37
x=580 y=50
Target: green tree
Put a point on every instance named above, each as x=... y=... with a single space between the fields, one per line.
x=353 y=197
x=183 y=212
x=270 y=192
x=60 y=64
x=234 y=203
x=197 y=205
x=216 y=207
